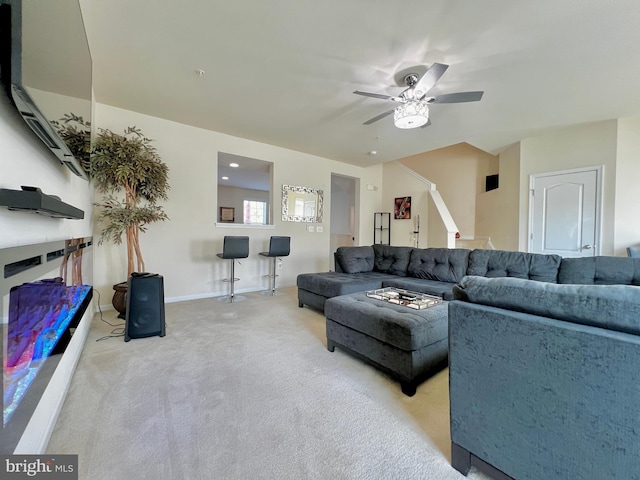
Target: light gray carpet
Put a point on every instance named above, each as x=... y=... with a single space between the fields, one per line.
x=242 y=391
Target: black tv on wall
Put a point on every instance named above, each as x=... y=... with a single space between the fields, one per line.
x=45 y=65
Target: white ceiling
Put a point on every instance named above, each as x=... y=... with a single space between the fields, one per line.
x=283 y=71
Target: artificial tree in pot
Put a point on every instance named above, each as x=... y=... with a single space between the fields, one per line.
x=128 y=164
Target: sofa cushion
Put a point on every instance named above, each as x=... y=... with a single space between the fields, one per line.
x=392 y=260
x=440 y=264
x=614 y=307
x=600 y=271
x=502 y=263
x=332 y=284
x=355 y=259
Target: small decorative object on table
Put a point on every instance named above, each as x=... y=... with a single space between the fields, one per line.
x=398 y=296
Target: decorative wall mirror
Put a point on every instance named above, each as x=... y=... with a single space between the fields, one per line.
x=301 y=204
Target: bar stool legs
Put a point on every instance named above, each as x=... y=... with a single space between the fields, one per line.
x=272 y=278
x=278 y=247
x=234 y=247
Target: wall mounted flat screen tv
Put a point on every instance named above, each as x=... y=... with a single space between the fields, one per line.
x=46 y=67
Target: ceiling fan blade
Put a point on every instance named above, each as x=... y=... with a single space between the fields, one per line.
x=429 y=79
x=459 y=97
x=374 y=95
x=378 y=117
x=426 y=124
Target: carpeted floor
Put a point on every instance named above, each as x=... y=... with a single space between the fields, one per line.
x=246 y=391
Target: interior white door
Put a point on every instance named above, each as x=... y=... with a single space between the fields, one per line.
x=565 y=213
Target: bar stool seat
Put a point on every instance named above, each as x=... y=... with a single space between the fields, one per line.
x=233 y=248
x=278 y=247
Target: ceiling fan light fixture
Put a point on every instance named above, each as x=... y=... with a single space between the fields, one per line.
x=413 y=114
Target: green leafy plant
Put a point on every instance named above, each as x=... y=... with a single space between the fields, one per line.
x=128 y=164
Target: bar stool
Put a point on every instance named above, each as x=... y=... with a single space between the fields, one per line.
x=278 y=247
x=233 y=249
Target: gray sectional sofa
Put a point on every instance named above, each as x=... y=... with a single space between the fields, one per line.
x=543 y=353
x=434 y=271
x=544 y=378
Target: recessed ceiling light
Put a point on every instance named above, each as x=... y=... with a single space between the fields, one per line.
x=234 y=165
x=199 y=72
x=373 y=152
x=225 y=178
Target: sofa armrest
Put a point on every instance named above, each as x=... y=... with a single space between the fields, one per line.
x=542 y=398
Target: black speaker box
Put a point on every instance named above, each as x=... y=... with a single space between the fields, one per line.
x=145 y=306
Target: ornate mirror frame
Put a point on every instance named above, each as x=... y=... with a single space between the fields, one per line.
x=289 y=192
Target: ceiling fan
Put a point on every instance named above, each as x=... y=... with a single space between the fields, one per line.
x=413 y=110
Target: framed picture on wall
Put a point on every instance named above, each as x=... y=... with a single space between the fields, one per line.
x=227 y=214
x=402 y=208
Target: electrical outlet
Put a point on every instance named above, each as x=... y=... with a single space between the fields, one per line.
x=319 y=229
x=310 y=228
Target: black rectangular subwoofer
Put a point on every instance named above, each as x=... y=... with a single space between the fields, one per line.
x=145 y=306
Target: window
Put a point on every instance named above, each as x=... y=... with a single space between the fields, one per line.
x=255 y=212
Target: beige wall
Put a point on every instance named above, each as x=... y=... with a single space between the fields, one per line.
x=503 y=214
x=627 y=195
x=233 y=197
x=184 y=248
x=399 y=182
x=459 y=173
x=497 y=211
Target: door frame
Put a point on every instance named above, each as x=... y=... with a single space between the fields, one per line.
x=599 y=169
x=354 y=209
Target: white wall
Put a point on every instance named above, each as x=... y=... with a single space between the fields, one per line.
x=184 y=249
x=586 y=145
x=627 y=195
x=24 y=160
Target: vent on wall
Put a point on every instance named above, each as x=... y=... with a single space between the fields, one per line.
x=491 y=182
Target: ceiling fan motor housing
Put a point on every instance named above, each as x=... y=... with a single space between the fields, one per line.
x=413 y=110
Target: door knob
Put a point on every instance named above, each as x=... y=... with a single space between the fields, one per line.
x=586 y=247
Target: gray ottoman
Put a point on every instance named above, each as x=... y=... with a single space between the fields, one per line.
x=405 y=343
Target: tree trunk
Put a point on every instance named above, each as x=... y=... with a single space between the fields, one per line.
x=130 y=249
x=132 y=240
x=141 y=267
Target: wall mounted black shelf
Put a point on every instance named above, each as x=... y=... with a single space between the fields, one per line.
x=31 y=199
x=382 y=228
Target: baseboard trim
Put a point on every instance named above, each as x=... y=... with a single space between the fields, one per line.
x=199 y=296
